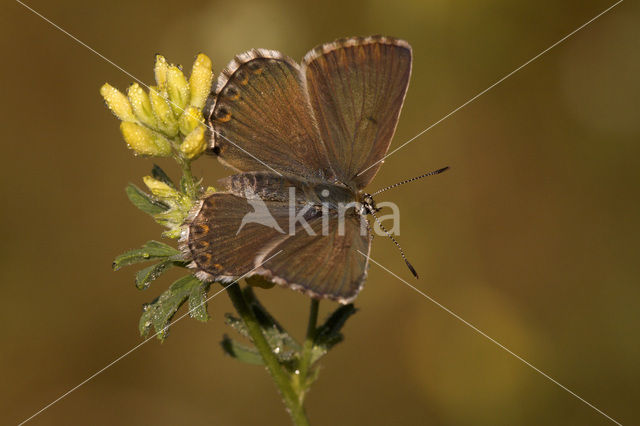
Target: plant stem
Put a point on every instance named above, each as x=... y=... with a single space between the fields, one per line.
x=280 y=376
x=307 y=350
x=187 y=176
x=191 y=189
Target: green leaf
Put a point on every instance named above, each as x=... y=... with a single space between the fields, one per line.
x=159 y=312
x=240 y=351
x=144 y=201
x=278 y=341
x=145 y=323
x=331 y=328
x=329 y=334
x=275 y=333
x=259 y=281
x=198 y=303
x=150 y=273
x=237 y=324
x=159 y=174
x=150 y=251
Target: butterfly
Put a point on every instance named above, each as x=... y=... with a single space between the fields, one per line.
x=315 y=132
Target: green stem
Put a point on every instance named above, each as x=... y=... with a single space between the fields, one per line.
x=280 y=376
x=307 y=350
x=185 y=164
x=191 y=189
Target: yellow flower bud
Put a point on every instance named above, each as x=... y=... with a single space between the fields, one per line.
x=194 y=143
x=144 y=141
x=141 y=105
x=178 y=90
x=160 y=72
x=190 y=119
x=166 y=120
x=200 y=80
x=117 y=102
x=160 y=189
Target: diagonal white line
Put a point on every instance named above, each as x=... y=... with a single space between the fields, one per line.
x=94 y=375
x=494 y=85
x=500 y=345
x=141 y=82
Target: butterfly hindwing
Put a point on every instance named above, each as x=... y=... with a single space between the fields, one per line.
x=331 y=266
x=221 y=246
x=247 y=231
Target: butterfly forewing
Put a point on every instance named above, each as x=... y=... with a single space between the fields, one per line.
x=261 y=118
x=356 y=89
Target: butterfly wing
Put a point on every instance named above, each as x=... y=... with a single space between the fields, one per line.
x=220 y=245
x=332 y=266
x=356 y=89
x=224 y=245
x=261 y=119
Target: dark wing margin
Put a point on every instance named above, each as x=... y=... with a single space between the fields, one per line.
x=356 y=88
x=328 y=266
x=261 y=119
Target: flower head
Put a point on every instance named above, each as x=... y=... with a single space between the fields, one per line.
x=168 y=119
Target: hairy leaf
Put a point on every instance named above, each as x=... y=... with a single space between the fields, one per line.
x=240 y=351
x=150 y=273
x=275 y=333
x=237 y=324
x=144 y=201
x=258 y=281
x=198 y=303
x=150 y=251
x=329 y=334
x=159 y=312
x=159 y=174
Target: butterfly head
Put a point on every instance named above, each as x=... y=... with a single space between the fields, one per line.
x=368 y=204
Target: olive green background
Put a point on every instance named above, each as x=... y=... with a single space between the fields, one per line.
x=532 y=236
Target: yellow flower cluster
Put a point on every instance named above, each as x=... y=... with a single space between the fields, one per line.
x=169 y=118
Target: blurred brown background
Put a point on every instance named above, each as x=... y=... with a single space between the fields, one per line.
x=532 y=236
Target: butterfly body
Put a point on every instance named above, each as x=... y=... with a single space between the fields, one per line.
x=305 y=140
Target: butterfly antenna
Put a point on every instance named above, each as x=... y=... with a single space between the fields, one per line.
x=413 y=271
x=435 y=172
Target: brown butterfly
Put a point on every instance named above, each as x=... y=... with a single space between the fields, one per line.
x=312 y=131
